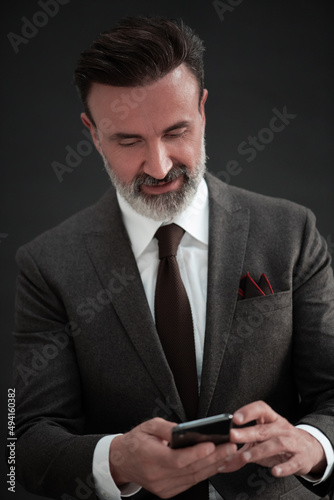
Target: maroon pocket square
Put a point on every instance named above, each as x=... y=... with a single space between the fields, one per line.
x=248 y=288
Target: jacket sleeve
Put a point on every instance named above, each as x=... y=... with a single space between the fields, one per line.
x=53 y=453
x=313 y=348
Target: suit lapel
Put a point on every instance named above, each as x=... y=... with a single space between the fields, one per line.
x=110 y=251
x=228 y=233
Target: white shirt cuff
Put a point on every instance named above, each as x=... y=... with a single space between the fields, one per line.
x=106 y=488
x=328 y=449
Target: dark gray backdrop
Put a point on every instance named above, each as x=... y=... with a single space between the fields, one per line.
x=260 y=56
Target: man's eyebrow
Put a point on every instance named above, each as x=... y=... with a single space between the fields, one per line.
x=123 y=135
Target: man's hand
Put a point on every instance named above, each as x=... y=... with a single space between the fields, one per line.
x=142 y=456
x=275 y=443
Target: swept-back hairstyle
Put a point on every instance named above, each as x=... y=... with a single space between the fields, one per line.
x=136 y=51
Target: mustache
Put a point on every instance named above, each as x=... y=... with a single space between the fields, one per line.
x=148 y=180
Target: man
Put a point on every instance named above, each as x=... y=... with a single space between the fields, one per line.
x=97 y=391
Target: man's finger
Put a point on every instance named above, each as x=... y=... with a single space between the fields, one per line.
x=290 y=467
x=271 y=448
x=207 y=467
x=255 y=433
x=258 y=410
x=158 y=427
x=192 y=454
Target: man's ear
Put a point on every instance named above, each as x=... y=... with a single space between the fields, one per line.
x=92 y=129
x=202 y=107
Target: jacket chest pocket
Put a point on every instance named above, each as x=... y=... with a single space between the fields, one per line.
x=265 y=319
x=259 y=348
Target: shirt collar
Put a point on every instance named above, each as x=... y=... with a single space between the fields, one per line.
x=194 y=220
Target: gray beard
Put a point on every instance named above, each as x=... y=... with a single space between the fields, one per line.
x=164 y=206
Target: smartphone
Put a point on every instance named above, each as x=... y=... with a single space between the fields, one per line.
x=215 y=429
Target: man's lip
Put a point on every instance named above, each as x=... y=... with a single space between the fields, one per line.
x=163 y=187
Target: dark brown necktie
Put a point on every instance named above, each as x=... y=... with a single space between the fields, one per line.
x=175 y=327
x=174 y=320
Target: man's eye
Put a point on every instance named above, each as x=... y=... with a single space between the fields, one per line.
x=128 y=144
x=176 y=135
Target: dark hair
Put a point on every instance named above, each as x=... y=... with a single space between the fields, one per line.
x=139 y=50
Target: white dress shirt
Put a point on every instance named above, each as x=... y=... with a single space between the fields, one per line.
x=192 y=254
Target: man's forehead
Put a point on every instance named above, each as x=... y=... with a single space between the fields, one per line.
x=178 y=84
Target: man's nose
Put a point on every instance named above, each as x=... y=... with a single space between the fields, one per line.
x=157 y=162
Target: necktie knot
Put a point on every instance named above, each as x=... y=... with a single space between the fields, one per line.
x=169 y=238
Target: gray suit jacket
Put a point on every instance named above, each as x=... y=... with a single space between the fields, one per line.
x=88 y=361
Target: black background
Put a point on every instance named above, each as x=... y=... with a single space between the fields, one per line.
x=262 y=55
